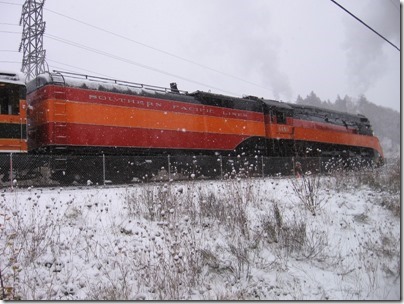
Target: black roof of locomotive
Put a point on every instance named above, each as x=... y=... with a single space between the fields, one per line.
x=277 y=104
x=314 y=109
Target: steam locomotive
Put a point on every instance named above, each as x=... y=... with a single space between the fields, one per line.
x=62 y=113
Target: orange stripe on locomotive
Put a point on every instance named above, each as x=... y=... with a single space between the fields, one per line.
x=300 y=130
x=141 y=122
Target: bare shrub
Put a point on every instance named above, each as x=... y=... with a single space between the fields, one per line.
x=387 y=246
x=272 y=224
x=209 y=258
x=293 y=236
x=24 y=240
x=241 y=252
x=9 y=252
x=174 y=261
x=394 y=176
x=277 y=215
x=210 y=206
x=369 y=177
x=289 y=235
x=228 y=210
x=307 y=189
x=107 y=292
x=392 y=203
x=270 y=231
x=135 y=202
x=315 y=245
x=160 y=202
x=385 y=178
x=153 y=202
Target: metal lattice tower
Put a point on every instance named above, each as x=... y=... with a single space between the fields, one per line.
x=33 y=61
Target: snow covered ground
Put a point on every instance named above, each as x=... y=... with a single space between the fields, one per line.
x=317 y=238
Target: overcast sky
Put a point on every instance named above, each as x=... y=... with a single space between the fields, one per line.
x=268 y=48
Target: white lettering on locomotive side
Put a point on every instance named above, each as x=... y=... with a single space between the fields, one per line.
x=235 y=114
x=174 y=107
x=148 y=104
x=192 y=109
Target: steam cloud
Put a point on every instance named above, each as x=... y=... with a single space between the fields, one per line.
x=254 y=59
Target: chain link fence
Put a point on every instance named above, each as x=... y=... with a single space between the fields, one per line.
x=24 y=170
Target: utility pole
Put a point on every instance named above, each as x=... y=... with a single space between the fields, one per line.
x=33 y=61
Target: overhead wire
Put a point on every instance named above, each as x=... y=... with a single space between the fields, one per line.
x=10 y=32
x=125 y=60
x=9 y=24
x=394 y=4
x=380 y=35
x=10 y=3
x=8 y=61
x=75 y=67
x=158 y=50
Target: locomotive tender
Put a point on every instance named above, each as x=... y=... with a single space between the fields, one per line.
x=68 y=113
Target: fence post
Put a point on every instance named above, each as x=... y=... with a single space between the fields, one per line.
x=262 y=166
x=11 y=170
x=221 y=167
x=169 y=167
x=319 y=165
x=103 y=168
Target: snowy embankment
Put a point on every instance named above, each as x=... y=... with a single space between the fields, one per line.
x=318 y=238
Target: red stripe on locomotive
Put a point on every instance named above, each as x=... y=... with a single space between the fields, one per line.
x=107 y=136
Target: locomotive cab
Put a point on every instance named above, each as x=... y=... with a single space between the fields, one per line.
x=12 y=113
x=277 y=112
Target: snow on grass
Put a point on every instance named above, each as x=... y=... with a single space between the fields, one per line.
x=202 y=240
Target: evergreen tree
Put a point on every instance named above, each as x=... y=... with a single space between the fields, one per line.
x=340 y=104
x=313 y=100
x=299 y=100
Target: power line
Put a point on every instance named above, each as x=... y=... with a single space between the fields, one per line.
x=125 y=60
x=10 y=3
x=5 y=23
x=343 y=8
x=77 y=68
x=10 y=32
x=158 y=50
x=7 y=61
x=394 y=4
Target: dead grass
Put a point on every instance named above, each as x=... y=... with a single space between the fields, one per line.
x=170 y=242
